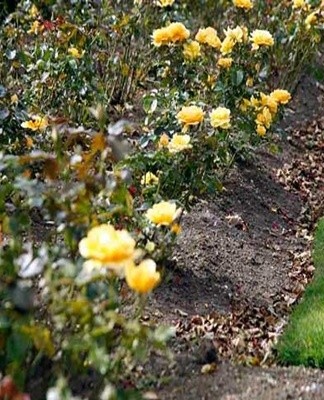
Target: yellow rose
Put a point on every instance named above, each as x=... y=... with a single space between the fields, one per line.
x=236 y=34
x=270 y=102
x=191 y=50
x=311 y=19
x=164 y=141
x=142 y=278
x=163 y=213
x=227 y=45
x=36 y=124
x=298 y=3
x=74 y=52
x=175 y=32
x=179 y=143
x=261 y=37
x=178 y=32
x=208 y=36
x=165 y=3
x=246 y=4
x=264 y=117
x=246 y=103
x=191 y=115
x=160 y=37
x=261 y=130
x=225 y=62
x=220 y=118
x=281 y=96
x=36 y=28
x=249 y=82
x=149 y=179
x=108 y=246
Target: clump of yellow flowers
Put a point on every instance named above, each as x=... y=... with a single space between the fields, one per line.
x=245 y=4
x=37 y=123
x=107 y=247
x=173 y=33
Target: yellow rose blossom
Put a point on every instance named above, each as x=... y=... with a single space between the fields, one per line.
x=33 y=12
x=236 y=34
x=163 y=213
x=175 y=32
x=36 y=28
x=246 y=103
x=261 y=130
x=74 y=52
x=220 y=118
x=14 y=99
x=149 y=179
x=249 y=81
x=179 y=143
x=246 y=4
x=191 y=115
x=176 y=229
x=164 y=140
x=36 y=124
x=224 y=62
x=161 y=37
x=298 y=3
x=281 y=96
x=270 y=102
x=311 y=19
x=142 y=278
x=108 y=246
x=165 y=3
x=191 y=50
x=261 y=37
x=208 y=36
x=264 y=117
x=227 y=45
x=255 y=102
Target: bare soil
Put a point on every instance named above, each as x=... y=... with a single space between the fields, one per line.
x=242 y=261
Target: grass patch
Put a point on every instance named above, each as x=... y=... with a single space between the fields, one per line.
x=303 y=339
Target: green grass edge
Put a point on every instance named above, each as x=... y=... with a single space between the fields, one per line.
x=302 y=342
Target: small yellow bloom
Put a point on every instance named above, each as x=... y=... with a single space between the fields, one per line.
x=298 y=3
x=236 y=34
x=261 y=37
x=149 y=179
x=35 y=124
x=163 y=213
x=261 y=130
x=173 y=33
x=108 y=246
x=176 y=229
x=179 y=143
x=142 y=278
x=224 y=62
x=264 y=117
x=246 y=103
x=208 y=36
x=14 y=99
x=36 y=28
x=281 y=96
x=220 y=118
x=191 y=50
x=270 y=102
x=249 y=81
x=246 y=4
x=191 y=115
x=74 y=52
x=227 y=45
x=311 y=19
x=165 y=3
x=33 y=12
x=164 y=141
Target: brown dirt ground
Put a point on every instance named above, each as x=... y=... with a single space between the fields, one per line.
x=241 y=251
